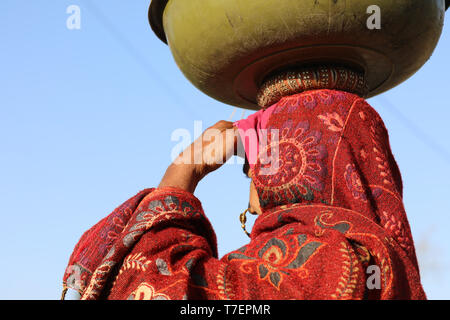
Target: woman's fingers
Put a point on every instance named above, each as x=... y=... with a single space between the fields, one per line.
x=211 y=150
x=208 y=153
x=219 y=143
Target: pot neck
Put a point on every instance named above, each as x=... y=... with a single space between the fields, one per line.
x=290 y=82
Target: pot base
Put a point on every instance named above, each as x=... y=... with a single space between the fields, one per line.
x=377 y=68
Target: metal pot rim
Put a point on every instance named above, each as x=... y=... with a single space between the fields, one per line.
x=155 y=17
x=156 y=12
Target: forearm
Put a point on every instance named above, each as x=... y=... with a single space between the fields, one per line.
x=181 y=176
x=217 y=144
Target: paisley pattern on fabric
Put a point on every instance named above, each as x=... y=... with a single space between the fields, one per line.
x=354 y=183
x=297 y=168
x=331 y=195
x=146 y=292
x=274 y=260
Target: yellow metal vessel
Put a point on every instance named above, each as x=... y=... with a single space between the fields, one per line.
x=226 y=48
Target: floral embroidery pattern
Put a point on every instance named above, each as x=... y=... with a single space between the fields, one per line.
x=397 y=230
x=135 y=261
x=355 y=185
x=309 y=101
x=333 y=121
x=98 y=280
x=386 y=271
x=146 y=292
x=162 y=209
x=325 y=98
x=322 y=225
x=118 y=225
x=296 y=169
x=225 y=287
x=377 y=133
x=349 y=279
x=274 y=260
x=157 y=210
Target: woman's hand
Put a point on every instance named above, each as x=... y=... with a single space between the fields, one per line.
x=208 y=153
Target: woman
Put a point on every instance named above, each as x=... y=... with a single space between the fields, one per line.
x=324 y=183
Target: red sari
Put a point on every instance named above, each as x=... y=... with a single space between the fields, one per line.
x=333 y=223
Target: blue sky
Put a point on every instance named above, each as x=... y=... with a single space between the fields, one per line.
x=86 y=118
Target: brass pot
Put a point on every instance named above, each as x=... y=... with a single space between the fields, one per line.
x=226 y=48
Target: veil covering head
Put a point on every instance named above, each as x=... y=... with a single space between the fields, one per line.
x=322 y=158
x=319 y=146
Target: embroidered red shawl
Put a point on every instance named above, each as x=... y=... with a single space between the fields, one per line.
x=333 y=223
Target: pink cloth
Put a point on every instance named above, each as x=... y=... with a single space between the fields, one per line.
x=251 y=130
